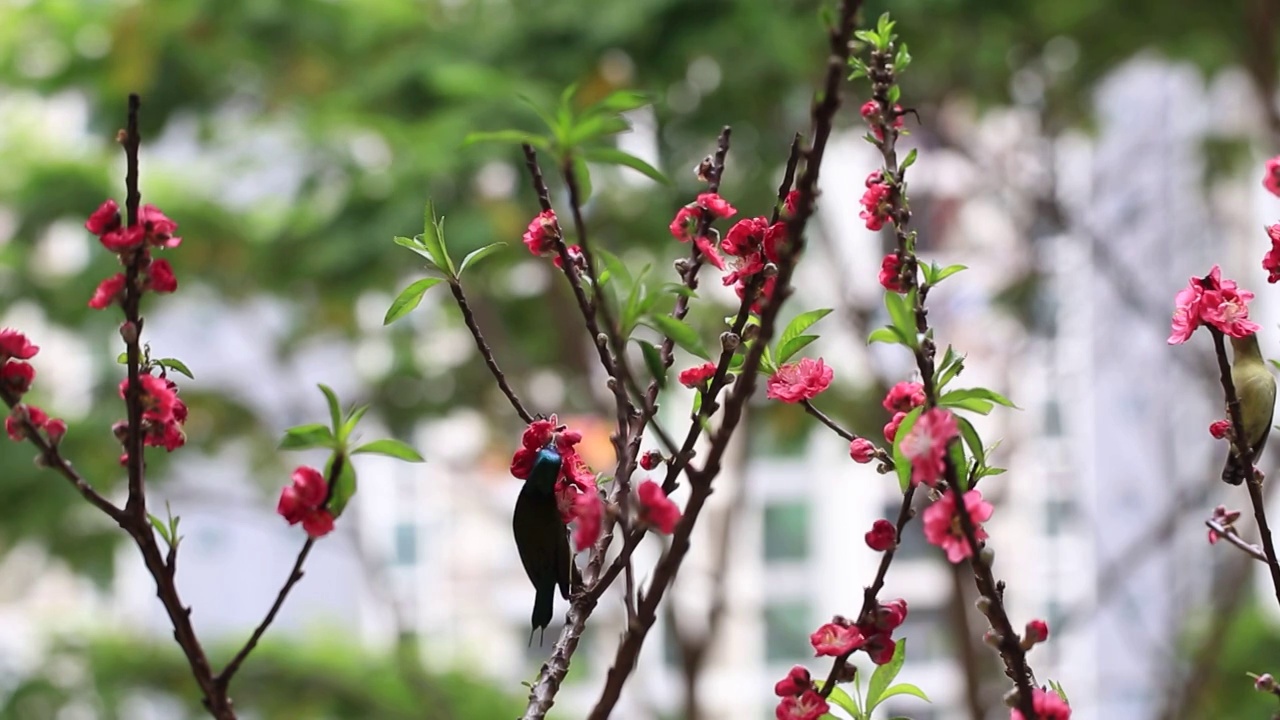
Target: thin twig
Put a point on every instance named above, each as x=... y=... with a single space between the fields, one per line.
x=826 y=420
x=131 y=331
x=468 y=317
x=1230 y=535
x=224 y=677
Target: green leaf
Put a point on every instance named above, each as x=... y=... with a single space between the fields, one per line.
x=477 y=255
x=304 y=437
x=352 y=420
x=653 y=359
x=161 y=528
x=971 y=439
x=390 y=448
x=884 y=675
x=894 y=94
x=613 y=156
x=947 y=272
x=900 y=462
x=903 y=316
x=543 y=115
x=619 y=101
x=680 y=333
x=595 y=127
x=955 y=396
x=335 y=410
x=886 y=335
x=955 y=450
x=433 y=241
x=843 y=700
x=868 y=36
x=564 y=112
x=408 y=299
x=797 y=326
x=582 y=177
x=902 y=60
x=343 y=489
x=175 y=365
x=793 y=346
x=909 y=160
x=905 y=689
x=674 y=288
x=515 y=137
x=978 y=405
x=952 y=365
x=1057 y=687
x=123 y=358
x=616 y=267
x=414 y=245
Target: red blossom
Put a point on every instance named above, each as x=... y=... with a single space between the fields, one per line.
x=795 y=382
x=797 y=682
x=1271 y=261
x=871 y=111
x=716 y=205
x=159 y=228
x=56 y=429
x=926 y=445
x=1047 y=706
x=685 y=224
x=765 y=292
x=881 y=536
x=14 y=344
x=880 y=648
x=861 y=450
x=1037 y=631
x=107 y=292
x=160 y=277
x=791 y=203
x=17 y=376
x=891 y=274
x=1219 y=429
x=697 y=375
x=576 y=257
x=1271 y=176
x=834 y=640
x=656 y=508
x=903 y=397
x=808 y=706
x=13 y=423
x=105 y=219
x=540 y=236
x=588 y=512
x=123 y=239
x=303 y=500
x=942 y=526
x=708 y=250
x=650 y=460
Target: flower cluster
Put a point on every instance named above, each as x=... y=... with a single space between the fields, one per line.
x=163 y=414
x=1213 y=301
x=688 y=220
x=800 y=699
x=873 y=635
x=541 y=235
x=799 y=381
x=16 y=377
x=133 y=244
x=875 y=201
x=576 y=493
x=902 y=399
x=871 y=112
x=304 y=502
x=698 y=375
x=942 y=524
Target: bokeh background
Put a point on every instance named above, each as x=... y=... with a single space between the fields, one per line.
x=1083 y=158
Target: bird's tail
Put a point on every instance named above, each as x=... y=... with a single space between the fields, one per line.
x=543 y=605
x=1232 y=472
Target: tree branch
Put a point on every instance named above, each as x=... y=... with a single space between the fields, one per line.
x=468 y=317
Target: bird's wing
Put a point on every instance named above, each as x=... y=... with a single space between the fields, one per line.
x=537 y=527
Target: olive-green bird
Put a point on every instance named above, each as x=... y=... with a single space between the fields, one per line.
x=1256 y=389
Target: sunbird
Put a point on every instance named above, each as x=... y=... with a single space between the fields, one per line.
x=1256 y=389
x=542 y=538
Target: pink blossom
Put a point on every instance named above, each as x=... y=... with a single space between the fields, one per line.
x=797 y=682
x=1219 y=429
x=861 y=450
x=17 y=376
x=123 y=239
x=1271 y=261
x=1037 y=631
x=881 y=536
x=656 y=508
x=105 y=219
x=791 y=203
x=303 y=501
x=891 y=429
x=13 y=424
x=159 y=228
x=14 y=344
x=875 y=201
x=1220 y=303
x=834 y=640
x=541 y=234
x=891 y=275
x=160 y=277
x=685 y=224
x=697 y=375
x=903 y=397
x=1047 y=706
x=942 y=526
x=107 y=292
x=1271 y=176
x=795 y=382
x=880 y=648
x=807 y=706
x=716 y=205
x=588 y=512
x=926 y=445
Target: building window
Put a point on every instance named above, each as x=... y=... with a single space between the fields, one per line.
x=1053 y=418
x=406 y=542
x=786 y=531
x=1058 y=514
x=913 y=545
x=929 y=633
x=786 y=631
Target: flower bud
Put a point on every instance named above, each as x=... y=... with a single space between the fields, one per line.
x=56 y=429
x=129 y=332
x=650 y=460
x=1265 y=683
x=987 y=556
x=729 y=341
x=1011 y=698
x=983 y=604
x=992 y=638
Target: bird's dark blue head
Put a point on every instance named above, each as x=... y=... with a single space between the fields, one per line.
x=546 y=468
